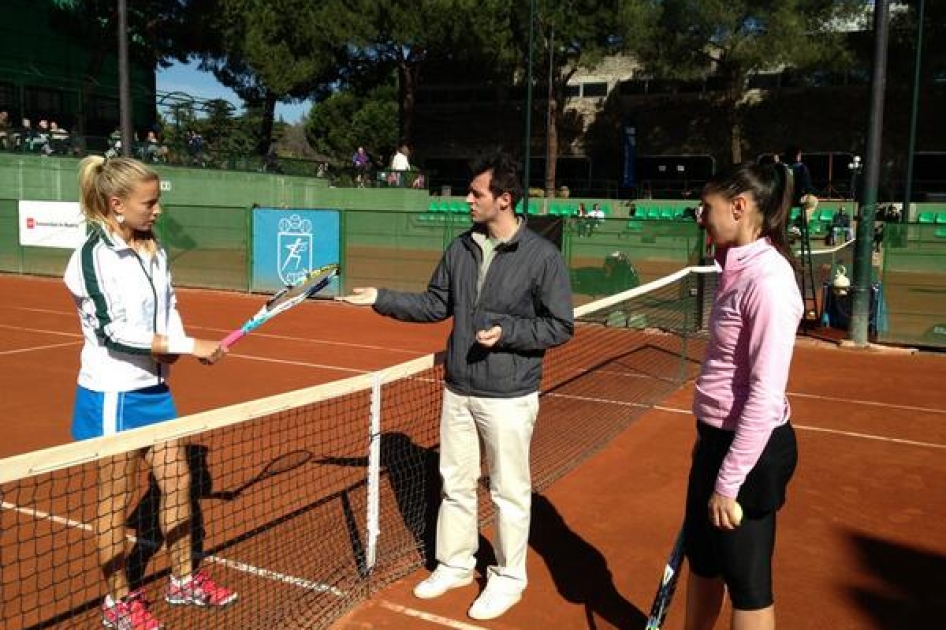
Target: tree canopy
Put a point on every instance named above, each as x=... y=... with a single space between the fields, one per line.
x=730 y=39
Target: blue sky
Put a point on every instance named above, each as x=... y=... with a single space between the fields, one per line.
x=188 y=79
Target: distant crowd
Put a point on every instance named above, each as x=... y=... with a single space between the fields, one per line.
x=45 y=138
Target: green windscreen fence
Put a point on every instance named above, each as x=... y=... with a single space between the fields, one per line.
x=208 y=246
x=914 y=284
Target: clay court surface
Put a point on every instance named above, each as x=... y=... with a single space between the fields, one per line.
x=862 y=540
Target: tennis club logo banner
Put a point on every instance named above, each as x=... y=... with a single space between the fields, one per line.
x=57 y=224
x=294 y=255
x=288 y=243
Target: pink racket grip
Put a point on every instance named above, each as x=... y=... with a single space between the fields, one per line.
x=232 y=338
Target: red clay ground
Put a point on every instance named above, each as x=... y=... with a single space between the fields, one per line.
x=862 y=541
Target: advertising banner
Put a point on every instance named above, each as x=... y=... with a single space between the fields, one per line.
x=57 y=224
x=287 y=244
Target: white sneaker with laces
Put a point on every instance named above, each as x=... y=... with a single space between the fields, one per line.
x=493 y=603
x=442 y=580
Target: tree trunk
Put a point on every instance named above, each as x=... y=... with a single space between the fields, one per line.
x=735 y=138
x=408 y=76
x=266 y=127
x=100 y=52
x=552 y=151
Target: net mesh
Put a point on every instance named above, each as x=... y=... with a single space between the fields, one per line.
x=278 y=498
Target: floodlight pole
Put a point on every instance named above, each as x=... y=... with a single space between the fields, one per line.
x=863 y=251
x=124 y=80
x=914 y=108
x=528 y=139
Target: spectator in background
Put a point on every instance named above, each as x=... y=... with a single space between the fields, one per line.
x=595 y=217
x=581 y=221
x=23 y=136
x=41 y=142
x=804 y=189
x=58 y=138
x=841 y=229
x=401 y=161
x=153 y=150
x=195 y=148
x=360 y=162
x=399 y=165
x=5 y=130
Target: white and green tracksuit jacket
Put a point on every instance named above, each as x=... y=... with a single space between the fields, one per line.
x=123 y=299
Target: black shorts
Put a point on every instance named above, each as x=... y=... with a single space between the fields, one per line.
x=742 y=557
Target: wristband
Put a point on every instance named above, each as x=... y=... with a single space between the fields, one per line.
x=181 y=345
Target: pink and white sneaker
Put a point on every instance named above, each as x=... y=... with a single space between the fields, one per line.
x=129 y=613
x=198 y=590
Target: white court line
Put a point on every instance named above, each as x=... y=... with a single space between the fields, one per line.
x=325 y=342
x=309 y=585
x=869 y=403
x=301 y=363
x=44 y=310
x=39 y=330
x=35 y=348
x=430 y=617
x=805 y=427
x=868 y=436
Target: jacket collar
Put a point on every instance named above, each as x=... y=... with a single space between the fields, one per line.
x=478 y=233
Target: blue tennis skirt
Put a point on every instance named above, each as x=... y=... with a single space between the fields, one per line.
x=104 y=413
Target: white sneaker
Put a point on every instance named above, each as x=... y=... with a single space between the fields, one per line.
x=442 y=580
x=493 y=603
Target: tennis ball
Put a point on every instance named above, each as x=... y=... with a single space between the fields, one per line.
x=738 y=511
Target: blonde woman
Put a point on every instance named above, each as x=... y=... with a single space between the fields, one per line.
x=121 y=285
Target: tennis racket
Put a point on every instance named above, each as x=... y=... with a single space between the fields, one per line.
x=668 y=584
x=315 y=281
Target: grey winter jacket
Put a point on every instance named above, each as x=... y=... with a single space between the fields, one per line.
x=526 y=292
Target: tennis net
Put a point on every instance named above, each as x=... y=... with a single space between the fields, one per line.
x=307 y=502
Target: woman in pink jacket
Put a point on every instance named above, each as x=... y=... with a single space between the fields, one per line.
x=745 y=452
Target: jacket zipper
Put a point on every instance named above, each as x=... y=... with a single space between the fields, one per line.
x=154 y=316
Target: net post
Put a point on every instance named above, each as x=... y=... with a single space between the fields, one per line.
x=374 y=473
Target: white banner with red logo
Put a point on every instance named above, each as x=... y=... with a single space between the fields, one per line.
x=51 y=224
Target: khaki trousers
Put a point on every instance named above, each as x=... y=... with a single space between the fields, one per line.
x=504 y=427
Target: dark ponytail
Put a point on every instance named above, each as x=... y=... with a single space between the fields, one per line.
x=772 y=187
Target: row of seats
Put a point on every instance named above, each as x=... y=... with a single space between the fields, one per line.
x=938 y=218
x=661 y=213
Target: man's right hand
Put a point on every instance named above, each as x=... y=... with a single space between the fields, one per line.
x=360 y=296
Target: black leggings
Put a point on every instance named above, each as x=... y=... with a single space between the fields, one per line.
x=743 y=556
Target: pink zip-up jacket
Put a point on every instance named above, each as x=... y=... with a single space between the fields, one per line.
x=742 y=384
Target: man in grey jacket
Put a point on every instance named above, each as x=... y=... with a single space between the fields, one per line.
x=508 y=291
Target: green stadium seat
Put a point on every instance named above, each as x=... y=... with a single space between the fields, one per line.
x=443 y=206
x=794 y=214
x=459 y=207
x=817 y=228
x=519 y=207
x=941 y=217
x=940 y=232
x=826 y=215
x=926 y=217
x=666 y=214
x=653 y=212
